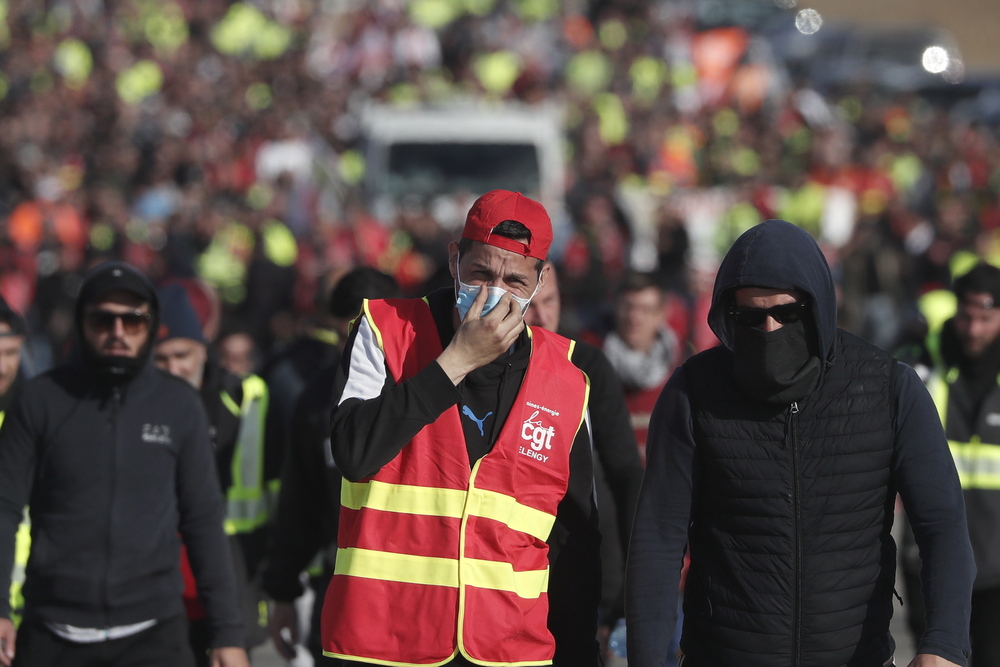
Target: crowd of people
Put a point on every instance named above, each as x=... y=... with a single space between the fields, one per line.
x=222 y=140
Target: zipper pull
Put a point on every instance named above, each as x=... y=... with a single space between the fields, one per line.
x=793 y=409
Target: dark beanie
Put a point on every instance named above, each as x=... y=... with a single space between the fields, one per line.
x=11 y=318
x=178 y=318
x=112 y=276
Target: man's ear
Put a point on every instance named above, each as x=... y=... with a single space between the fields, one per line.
x=543 y=275
x=453 y=259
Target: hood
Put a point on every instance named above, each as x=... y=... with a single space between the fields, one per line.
x=779 y=255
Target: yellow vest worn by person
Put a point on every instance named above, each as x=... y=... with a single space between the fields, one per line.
x=22 y=547
x=438 y=556
x=250 y=498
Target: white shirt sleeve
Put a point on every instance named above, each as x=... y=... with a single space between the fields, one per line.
x=367 y=373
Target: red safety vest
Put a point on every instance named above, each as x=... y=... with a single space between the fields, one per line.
x=438 y=556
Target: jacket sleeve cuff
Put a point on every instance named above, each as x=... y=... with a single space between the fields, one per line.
x=950 y=653
x=230 y=635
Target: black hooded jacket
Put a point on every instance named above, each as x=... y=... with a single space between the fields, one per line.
x=787 y=508
x=116 y=468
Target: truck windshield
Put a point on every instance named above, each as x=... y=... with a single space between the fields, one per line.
x=431 y=169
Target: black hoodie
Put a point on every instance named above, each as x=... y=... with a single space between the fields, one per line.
x=779 y=255
x=116 y=468
x=677 y=500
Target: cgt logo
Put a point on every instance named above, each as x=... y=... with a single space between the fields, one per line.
x=539 y=437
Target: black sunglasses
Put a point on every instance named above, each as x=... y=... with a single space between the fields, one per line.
x=104 y=320
x=787 y=313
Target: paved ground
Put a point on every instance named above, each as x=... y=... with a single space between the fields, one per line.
x=266 y=656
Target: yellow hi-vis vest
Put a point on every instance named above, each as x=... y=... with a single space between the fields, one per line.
x=249 y=500
x=977 y=461
x=22 y=547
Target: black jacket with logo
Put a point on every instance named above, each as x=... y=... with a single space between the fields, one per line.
x=114 y=474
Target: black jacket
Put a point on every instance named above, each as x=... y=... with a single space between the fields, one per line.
x=814 y=484
x=114 y=475
x=309 y=504
x=617 y=473
x=367 y=434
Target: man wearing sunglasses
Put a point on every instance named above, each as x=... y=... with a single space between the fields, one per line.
x=775 y=460
x=114 y=457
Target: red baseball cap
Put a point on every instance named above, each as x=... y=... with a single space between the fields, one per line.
x=499 y=206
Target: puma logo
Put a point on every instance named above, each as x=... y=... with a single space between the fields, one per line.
x=467 y=411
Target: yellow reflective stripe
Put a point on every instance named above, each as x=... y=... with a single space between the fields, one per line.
x=393 y=663
x=328 y=336
x=500 y=576
x=431 y=501
x=978 y=464
x=507 y=510
x=403 y=498
x=371 y=323
x=230 y=404
x=586 y=402
x=939 y=386
x=521 y=663
x=404 y=568
x=22 y=549
x=432 y=571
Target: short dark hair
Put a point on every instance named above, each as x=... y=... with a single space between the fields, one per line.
x=637 y=281
x=982 y=278
x=358 y=284
x=509 y=229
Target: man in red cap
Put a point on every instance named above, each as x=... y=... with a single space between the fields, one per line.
x=468 y=532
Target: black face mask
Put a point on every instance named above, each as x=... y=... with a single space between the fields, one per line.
x=775 y=366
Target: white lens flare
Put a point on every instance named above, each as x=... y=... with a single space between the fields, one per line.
x=808 y=21
x=935 y=59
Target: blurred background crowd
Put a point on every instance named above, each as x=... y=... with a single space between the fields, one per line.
x=223 y=143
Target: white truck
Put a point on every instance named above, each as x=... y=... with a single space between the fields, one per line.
x=449 y=155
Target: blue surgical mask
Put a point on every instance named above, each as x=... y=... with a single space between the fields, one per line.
x=465 y=294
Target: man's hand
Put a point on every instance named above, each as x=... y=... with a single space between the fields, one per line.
x=229 y=656
x=928 y=660
x=284 y=617
x=480 y=340
x=8 y=639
